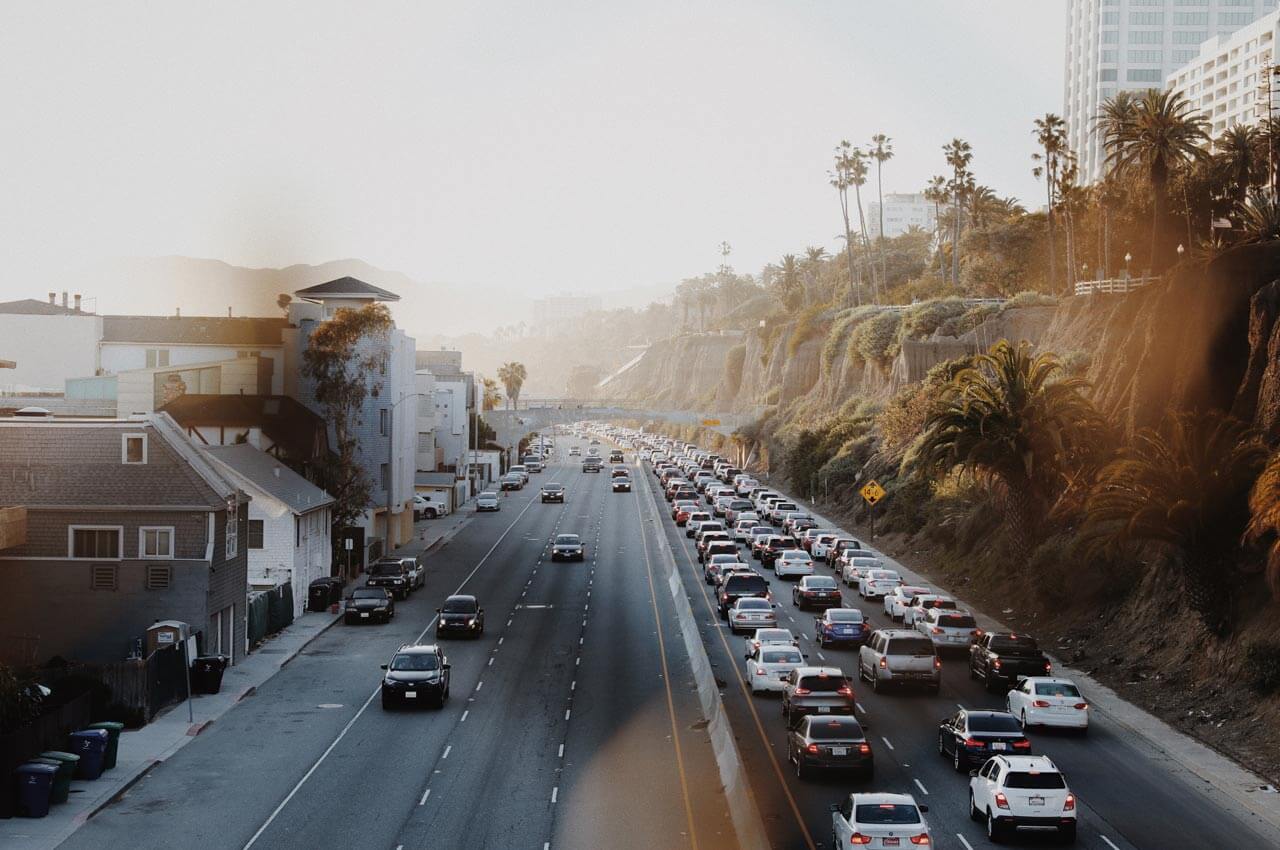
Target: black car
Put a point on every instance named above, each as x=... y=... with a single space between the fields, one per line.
x=972 y=737
x=553 y=492
x=460 y=614
x=568 y=547
x=416 y=674
x=369 y=603
x=392 y=574
x=592 y=464
x=1000 y=658
x=777 y=543
x=739 y=586
x=835 y=742
x=816 y=592
x=621 y=484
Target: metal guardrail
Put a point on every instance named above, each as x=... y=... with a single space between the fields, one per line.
x=1115 y=285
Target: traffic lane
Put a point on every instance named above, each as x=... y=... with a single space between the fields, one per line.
x=622 y=736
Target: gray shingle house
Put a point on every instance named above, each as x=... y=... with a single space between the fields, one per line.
x=127 y=523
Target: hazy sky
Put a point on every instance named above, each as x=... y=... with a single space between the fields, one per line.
x=508 y=147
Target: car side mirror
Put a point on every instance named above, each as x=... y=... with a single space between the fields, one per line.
x=446 y=665
x=437 y=610
x=804 y=655
x=383 y=666
x=834 y=807
x=480 y=611
x=973 y=774
x=923 y=808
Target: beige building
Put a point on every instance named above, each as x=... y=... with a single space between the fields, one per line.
x=1228 y=80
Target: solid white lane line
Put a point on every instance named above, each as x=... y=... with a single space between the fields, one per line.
x=1108 y=840
x=555 y=792
x=447 y=750
x=967 y=845
x=468 y=711
x=425 y=795
x=886 y=742
x=920 y=785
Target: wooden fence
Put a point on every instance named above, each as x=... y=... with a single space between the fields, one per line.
x=1115 y=285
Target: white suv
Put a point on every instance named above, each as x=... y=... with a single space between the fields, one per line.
x=1013 y=791
x=793 y=562
x=879 y=820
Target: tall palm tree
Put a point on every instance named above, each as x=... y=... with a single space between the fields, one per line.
x=1051 y=135
x=959 y=154
x=789 y=285
x=1264 y=509
x=858 y=178
x=841 y=178
x=1163 y=131
x=936 y=192
x=1183 y=489
x=881 y=151
x=1237 y=152
x=1015 y=420
x=512 y=375
x=814 y=257
x=1115 y=113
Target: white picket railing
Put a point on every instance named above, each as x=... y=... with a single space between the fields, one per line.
x=1114 y=285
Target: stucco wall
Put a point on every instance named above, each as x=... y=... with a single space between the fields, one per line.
x=48 y=350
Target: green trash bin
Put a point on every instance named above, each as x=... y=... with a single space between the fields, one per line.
x=66 y=764
x=114 y=728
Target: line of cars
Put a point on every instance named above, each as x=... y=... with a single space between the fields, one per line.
x=1009 y=786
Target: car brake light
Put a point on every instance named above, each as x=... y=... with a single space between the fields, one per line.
x=937 y=663
x=974 y=743
x=801 y=692
x=884 y=663
x=858 y=838
x=936 y=630
x=921 y=839
x=1040 y=703
x=845 y=691
x=761 y=673
x=1070 y=804
x=1048 y=667
x=996 y=664
x=1002 y=801
x=1082 y=705
x=1022 y=745
x=864 y=748
x=812 y=748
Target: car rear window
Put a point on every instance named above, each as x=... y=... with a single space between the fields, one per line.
x=824 y=684
x=780 y=656
x=821 y=583
x=1056 y=689
x=910 y=646
x=939 y=603
x=754 y=604
x=993 y=723
x=957 y=621
x=746 y=584
x=385 y=569
x=835 y=728
x=1017 y=779
x=844 y=615
x=1009 y=643
x=886 y=813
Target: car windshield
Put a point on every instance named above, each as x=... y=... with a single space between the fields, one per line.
x=781 y=656
x=957 y=621
x=993 y=723
x=369 y=593
x=567 y=539
x=886 y=813
x=414 y=661
x=754 y=605
x=821 y=583
x=1056 y=689
x=1034 y=780
x=844 y=615
x=459 y=606
x=385 y=568
x=835 y=729
x=824 y=684
x=552 y=486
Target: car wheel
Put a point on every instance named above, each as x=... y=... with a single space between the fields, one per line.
x=975 y=814
x=386 y=703
x=973 y=674
x=995 y=832
x=957 y=760
x=1082 y=731
x=1022 y=720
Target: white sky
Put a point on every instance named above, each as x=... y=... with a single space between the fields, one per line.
x=509 y=147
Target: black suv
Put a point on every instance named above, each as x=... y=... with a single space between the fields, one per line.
x=416 y=674
x=392 y=574
x=1000 y=658
x=460 y=614
x=553 y=492
x=738 y=587
x=972 y=737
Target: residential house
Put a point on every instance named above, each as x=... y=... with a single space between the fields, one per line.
x=47 y=342
x=127 y=523
x=287 y=537
x=280 y=426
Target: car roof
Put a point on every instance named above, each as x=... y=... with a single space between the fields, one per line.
x=899 y=633
x=1043 y=764
x=418 y=648
x=1048 y=680
x=878 y=798
x=984 y=712
x=461 y=597
x=821 y=671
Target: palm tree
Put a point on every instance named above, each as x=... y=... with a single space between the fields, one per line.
x=814 y=257
x=881 y=151
x=1115 y=113
x=1264 y=508
x=1163 y=132
x=936 y=192
x=1184 y=490
x=842 y=178
x=490 y=396
x=1051 y=135
x=959 y=154
x=789 y=286
x=1260 y=218
x=858 y=178
x=1013 y=419
x=1237 y=155
x=512 y=375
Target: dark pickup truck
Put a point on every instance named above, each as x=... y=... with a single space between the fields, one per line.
x=1000 y=658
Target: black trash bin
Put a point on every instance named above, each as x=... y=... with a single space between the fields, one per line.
x=206 y=674
x=91 y=746
x=323 y=592
x=66 y=763
x=35 y=787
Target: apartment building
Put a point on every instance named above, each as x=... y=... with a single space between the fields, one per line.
x=901 y=213
x=1114 y=45
x=1230 y=80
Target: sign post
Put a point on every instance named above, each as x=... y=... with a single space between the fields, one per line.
x=872 y=493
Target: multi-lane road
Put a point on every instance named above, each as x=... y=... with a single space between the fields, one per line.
x=575 y=721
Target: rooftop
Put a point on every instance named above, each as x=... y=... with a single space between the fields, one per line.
x=300 y=432
x=346 y=287
x=254 y=331
x=35 y=307
x=264 y=472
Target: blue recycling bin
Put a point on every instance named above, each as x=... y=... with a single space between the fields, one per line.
x=91 y=746
x=35 y=787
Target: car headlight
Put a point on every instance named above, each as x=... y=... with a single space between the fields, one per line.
x=471 y=622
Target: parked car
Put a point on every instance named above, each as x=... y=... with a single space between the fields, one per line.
x=391 y=574
x=1014 y=791
x=429 y=505
x=816 y=690
x=815 y=592
x=875 y=819
x=750 y=613
x=511 y=481
x=552 y=492
x=416 y=674
x=367 y=604
x=999 y=658
x=460 y=614
x=971 y=737
x=896 y=656
x=521 y=470
x=568 y=547
x=488 y=500
x=1047 y=701
x=830 y=743
x=950 y=631
x=836 y=626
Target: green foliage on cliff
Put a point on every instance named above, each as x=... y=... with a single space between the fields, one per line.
x=734 y=360
x=874 y=339
x=808 y=325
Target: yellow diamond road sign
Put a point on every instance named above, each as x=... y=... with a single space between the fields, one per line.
x=710 y=423
x=872 y=492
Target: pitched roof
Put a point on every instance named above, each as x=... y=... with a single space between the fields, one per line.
x=35 y=307
x=347 y=287
x=286 y=421
x=195 y=330
x=260 y=470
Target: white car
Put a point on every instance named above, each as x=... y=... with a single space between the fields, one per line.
x=822 y=545
x=742 y=530
x=923 y=602
x=1046 y=701
x=874 y=584
x=429 y=506
x=880 y=820
x=769 y=666
x=948 y=629
x=746 y=485
x=852 y=569
x=782 y=637
x=793 y=562
x=897 y=599
x=488 y=501
x=751 y=612
x=1013 y=791
x=521 y=470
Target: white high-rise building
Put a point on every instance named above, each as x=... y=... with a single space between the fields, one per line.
x=1135 y=44
x=901 y=213
x=1228 y=79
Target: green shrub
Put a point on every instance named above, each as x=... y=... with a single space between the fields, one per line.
x=968 y=320
x=838 y=336
x=808 y=325
x=873 y=339
x=1262 y=658
x=1030 y=299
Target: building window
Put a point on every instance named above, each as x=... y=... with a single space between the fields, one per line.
x=1108 y=57
x=297 y=532
x=157 y=357
x=1146 y=57
x=255 y=534
x=1234 y=19
x=233 y=535
x=1146 y=19
x=1143 y=75
x=1110 y=36
x=1110 y=18
x=1190 y=19
x=1107 y=75
x=159 y=576
x=384 y=420
x=133 y=448
x=96 y=541
x=103 y=577
x=242 y=355
x=155 y=542
x=1146 y=37
x=385 y=470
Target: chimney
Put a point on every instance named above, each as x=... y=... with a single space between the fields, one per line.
x=53 y=298
x=64 y=299
x=275 y=470
x=228 y=312
x=77 y=297
x=177 y=312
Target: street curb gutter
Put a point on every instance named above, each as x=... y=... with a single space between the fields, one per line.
x=124 y=789
x=747 y=822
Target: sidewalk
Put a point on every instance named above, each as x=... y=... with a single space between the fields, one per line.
x=142 y=749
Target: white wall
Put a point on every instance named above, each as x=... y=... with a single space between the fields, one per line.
x=118 y=357
x=281 y=558
x=135 y=390
x=48 y=350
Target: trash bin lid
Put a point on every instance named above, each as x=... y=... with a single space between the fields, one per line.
x=110 y=725
x=59 y=755
x=95 y=734
x=35 y=768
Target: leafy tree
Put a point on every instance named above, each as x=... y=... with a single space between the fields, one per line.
x=1260 y=218
x=343 y=373
x=512 y=375
x=1011 y=419
x=1184 y=489
x=490 y=397
x=790 y=288
x=1240 y=159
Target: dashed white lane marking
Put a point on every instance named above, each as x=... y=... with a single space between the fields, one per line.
x=490 y=661
x=479 y=684
x=447 y=750
x=886 y=742
x=560 y=754
x=577 y=661
x=566 y=713
x=858 y=706
x=468 y=711
x=823 y=657
x=425 y=795
x=546 y=845
x=573 y=686
x=1109 y=844
x=500 y=640
x=555 y=792
x=508 y=622
x=923 y=789
x=967 y=845
x=579 y=641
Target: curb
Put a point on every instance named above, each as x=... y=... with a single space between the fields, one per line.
x=80 y=819
x=292 y=655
